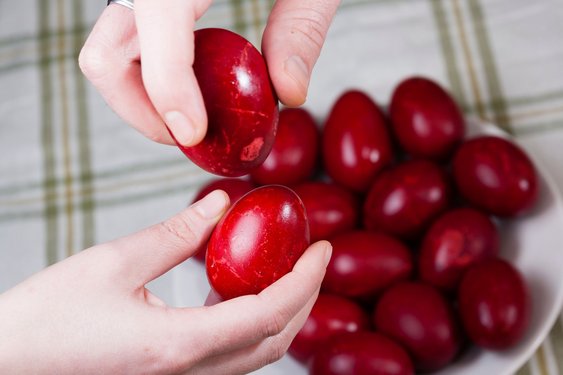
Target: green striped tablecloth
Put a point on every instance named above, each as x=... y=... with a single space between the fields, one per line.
x=71 y=174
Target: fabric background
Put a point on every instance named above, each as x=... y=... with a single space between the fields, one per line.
x=73 y=175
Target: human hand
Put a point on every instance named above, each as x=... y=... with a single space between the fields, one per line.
x=163 y=90
x=91 y=313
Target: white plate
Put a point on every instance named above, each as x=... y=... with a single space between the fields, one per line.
x=531 y=243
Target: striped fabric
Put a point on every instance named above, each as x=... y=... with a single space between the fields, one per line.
x=72 y=175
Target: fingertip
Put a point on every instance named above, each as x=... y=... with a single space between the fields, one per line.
x=324 y=250
x=315 y=259
x=188 y=129
x=292 y=41
x=293 y=84
x=327 y=251
x=180 y=127
x=212 y=205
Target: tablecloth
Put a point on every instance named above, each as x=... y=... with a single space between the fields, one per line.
x=73 y=175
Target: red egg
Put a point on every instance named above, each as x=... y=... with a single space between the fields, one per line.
x=361 y=353
x=364 y=263
x=331 y=209
x=418 y=317
x=331 y=315
x=495 y=175
x=257 y=241
x=455 y=241
x=426 y=119
x=356 y=143
x=405 y=199
x=295 y=152
x=494 y=304
x=234 y=187
x=242 y=108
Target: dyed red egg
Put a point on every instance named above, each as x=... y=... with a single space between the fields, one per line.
x=455 y=241
x=361 y=353
x=295 y=153
x=418 y=317
x=331 y=315
x=331 y=209
x=257 y=241
x=426 y=119
x=496 y=176
x=241 y=105
x=364 y=263
x=356 y=144
x=405 y=199
x=494 y=304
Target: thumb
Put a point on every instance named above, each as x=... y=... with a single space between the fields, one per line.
x=292 y=42
x=155 y=250
x=166 y=40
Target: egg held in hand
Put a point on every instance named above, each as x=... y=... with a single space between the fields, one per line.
x=241 y=105
x=257 y=241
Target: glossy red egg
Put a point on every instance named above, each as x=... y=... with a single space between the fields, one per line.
x=356 y=144
x=418 y=317
x=426 y=119
x=495 y=175
x=241 y=105
x=494 y=304
x=257 y=241
x=234 y=187
x=331 y=209
x=455 y=241
x=365 y=263
x=361 y=353
x=331 y=315
x=295 y=153
x=405 y=199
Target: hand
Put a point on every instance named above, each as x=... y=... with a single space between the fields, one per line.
x=163 y=91
x=91 y=313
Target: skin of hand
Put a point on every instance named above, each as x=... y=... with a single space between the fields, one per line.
x=92 y=314
x=163 y=91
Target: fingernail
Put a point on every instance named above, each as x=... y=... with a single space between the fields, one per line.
x=298 y=70
x=181 y=127
x=212 y=205
x=328 y=253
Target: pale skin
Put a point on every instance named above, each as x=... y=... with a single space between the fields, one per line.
x=162 y=91
x=92 y=313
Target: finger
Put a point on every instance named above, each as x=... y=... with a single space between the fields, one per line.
x=167 y=54
x=153 y=251
x=267 y=351
x=292 y=42
x=243 y=321
x=110 y=61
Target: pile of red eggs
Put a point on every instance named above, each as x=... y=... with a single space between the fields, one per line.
x=411 y=208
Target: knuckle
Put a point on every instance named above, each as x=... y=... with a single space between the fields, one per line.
x=182 y=227
x=274 y=326
x=168 y=352
x=91 y=62
x=277 y=350
x=162 y=359
x=276 y=321
x=311 y=26
x=115 y=262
